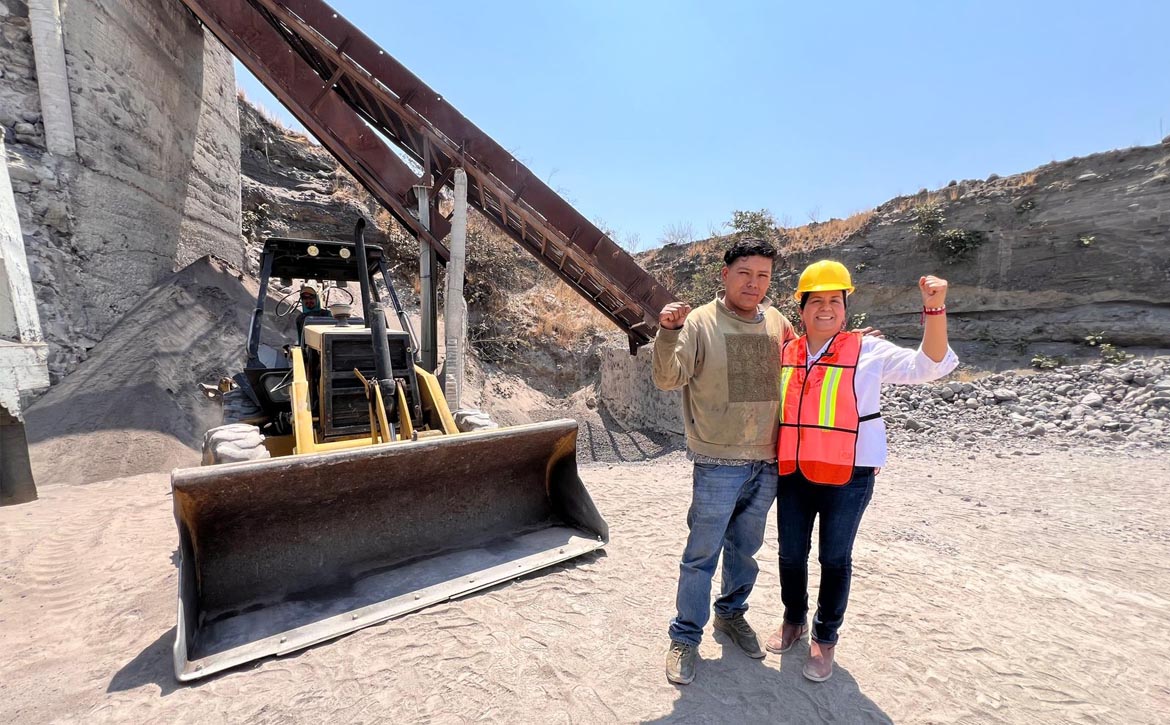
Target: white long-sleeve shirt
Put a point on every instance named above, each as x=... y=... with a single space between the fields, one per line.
x=881 y=361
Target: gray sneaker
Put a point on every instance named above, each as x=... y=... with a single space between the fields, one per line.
x=741 y=633
x=680 y=662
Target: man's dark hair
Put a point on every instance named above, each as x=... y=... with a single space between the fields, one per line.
x=750 y=247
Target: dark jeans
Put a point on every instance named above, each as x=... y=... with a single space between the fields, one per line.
x=799 y=502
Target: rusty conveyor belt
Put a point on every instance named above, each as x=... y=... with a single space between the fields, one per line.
x=340 y=85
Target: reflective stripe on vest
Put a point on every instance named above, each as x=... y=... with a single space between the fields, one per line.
x=818 y=410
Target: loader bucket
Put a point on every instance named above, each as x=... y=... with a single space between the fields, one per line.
x=277 y=555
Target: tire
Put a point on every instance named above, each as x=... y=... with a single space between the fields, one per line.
x=233 y=443
x=238 y=407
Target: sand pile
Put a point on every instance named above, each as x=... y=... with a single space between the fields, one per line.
x=134 y=405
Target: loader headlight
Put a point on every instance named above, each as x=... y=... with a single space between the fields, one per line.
x=344 y=253
x=277 y=386
x=313 y=251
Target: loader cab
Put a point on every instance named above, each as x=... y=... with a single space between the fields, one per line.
x=332 y=346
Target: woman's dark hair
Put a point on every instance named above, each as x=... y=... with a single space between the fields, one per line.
x=750 y=247
x=844 y=299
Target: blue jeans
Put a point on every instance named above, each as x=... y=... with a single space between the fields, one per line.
x=729 y=510
x=840 y=509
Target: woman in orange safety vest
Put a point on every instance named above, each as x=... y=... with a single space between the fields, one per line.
x=832 y=440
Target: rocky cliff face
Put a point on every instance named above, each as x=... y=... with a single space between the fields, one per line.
x=1071 y=249
x=155 y=183
x=293 y=187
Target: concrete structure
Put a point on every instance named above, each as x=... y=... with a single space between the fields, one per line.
x=22 y=351
x=151 y=180
x=455 y=317
x=48 y=37
x=628 y=393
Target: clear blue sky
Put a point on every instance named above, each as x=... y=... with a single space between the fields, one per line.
x=647 y=113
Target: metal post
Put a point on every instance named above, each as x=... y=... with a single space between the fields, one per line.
x=455 y=318
x=428 y=294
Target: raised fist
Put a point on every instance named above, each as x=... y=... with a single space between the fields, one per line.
x=934 y=291
x=674 y=315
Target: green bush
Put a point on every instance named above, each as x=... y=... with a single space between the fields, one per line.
x=759 y=224
x=956 y=244
x=928 y=220
x=953 y=244
x=1040 y=361
x=1112 y=354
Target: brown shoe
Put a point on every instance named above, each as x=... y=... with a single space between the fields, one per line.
x=741 y=633
x=820 y=661
x=782 y=639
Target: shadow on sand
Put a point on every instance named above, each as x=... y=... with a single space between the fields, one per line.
x=738 y=689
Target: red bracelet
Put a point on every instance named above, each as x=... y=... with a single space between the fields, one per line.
x=931 y=311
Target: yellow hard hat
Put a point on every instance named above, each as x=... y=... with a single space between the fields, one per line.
x=824 y=276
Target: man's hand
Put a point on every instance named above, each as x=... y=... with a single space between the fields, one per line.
x=934 y=291
x=673 y=315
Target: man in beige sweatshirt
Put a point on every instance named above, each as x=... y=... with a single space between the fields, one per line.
x=725 y=357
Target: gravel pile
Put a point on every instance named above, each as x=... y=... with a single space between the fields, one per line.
x=1125 y=406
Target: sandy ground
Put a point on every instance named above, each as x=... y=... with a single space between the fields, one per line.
x=1015 y=589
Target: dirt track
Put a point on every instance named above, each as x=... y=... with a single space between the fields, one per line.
x=987 y=590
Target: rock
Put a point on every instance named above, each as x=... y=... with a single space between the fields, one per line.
x=912 y=424
x=973 y=403
x=1003 y=395
x=57 y=216
x=1092 y=400
x=18 y=171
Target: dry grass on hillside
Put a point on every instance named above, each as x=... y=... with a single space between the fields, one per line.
x=823 y=234
x=953 y=193
x=559 y=314
x=271 y=117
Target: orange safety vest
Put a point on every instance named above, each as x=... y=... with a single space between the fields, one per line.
x=818 y=410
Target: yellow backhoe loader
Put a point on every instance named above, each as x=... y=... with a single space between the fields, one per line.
x=340 y=492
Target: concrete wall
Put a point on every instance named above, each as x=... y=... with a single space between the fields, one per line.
x=629 y=395
x=156 y=180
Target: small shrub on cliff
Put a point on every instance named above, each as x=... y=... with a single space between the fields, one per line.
x=754 y=223
x=956 y=244
x=1112 y=354
x=928 y=220
x=1040 y=361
